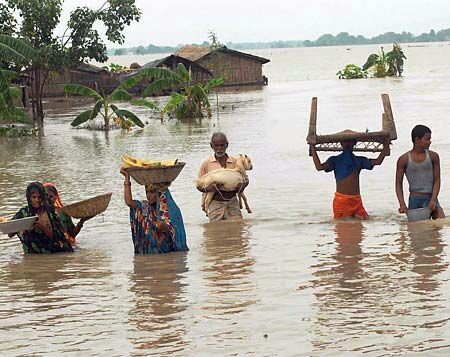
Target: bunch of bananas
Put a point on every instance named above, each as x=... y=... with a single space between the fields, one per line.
x=129 y=161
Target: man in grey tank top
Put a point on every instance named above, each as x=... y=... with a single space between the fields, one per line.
x=423 y=171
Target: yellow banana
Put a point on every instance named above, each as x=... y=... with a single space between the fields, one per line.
x=129 y=161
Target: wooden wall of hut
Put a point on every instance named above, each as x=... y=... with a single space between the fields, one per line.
x=235 y=69
x=101 y=81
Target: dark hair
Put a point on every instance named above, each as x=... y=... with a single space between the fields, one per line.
x=218 y=135
x=419 y=131
x=40 y=189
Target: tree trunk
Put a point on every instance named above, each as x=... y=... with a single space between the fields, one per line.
x=39 y=78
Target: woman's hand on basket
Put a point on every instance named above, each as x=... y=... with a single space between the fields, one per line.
x=125 y=173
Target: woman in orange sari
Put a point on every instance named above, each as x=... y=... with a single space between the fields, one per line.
x=70 y=230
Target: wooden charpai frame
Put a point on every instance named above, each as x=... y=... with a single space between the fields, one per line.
x=366 y=141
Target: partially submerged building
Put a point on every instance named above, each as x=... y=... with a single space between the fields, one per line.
x=91 y=76
x=199 y=73
x=237 y=68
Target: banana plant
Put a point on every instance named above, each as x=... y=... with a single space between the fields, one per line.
x=105 y=107
x=12 y=51
x=376 y=63
x=386 y=64
x=395 y=60
x=188 y=100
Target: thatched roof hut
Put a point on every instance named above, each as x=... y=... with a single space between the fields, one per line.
x=238 y=68
x=199 y=73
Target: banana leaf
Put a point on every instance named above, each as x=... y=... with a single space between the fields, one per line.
x=125 y=114
x=159 y=85
x=213 y=83
x=131 y=82
x=132 y=117
x=120 y=94
x=81 y=90
x=9 y=75
x=19 y=46
x=372 y=60
x=175 y=100
x=158 y=72
x=96 y=109
x=145 y=103
x=184 y=73
x=82 y=118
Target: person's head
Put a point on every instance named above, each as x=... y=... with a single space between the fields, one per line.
x=52 y=193
x=36 y=196
x=150 y=192
x=348 y=144
x=421 y=136
x=219 y=143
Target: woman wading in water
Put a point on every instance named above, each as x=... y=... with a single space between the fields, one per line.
x=156 y=223
x=70 y=230
x=47 y=234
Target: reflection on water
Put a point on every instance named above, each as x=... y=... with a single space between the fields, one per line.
x=227 y=268
x=156 y=286
x=363 y=290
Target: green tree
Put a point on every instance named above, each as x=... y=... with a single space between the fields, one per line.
x=120 y=52
x=14 y=52
x=105 y=107
x=190 y=100
x=214 y=42
x=38 y=20
x=395 y=60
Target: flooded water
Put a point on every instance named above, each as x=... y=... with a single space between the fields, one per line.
x=287 y=280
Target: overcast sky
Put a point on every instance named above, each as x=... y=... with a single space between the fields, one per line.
x=175 y=22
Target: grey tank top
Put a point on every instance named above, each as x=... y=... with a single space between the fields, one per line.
x=420 y=175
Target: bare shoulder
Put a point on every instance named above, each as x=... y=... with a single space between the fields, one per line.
x=434 y=155
x=403 y=160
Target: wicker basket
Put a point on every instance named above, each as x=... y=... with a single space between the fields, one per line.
x=375 y=136
x=88 y=208
x=154 y=175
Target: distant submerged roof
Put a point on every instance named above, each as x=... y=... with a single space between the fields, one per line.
x=194 y=53
x=86 y=67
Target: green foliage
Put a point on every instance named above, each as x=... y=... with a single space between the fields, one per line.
x=351 y=71
x=114 y=67
x=386 y=64
x=104 y=106
x=16 y=52
x=341 y=39
x=38 y=21
x=14 y=131
x=395 y=60
x=192 y=99
x=214 y=42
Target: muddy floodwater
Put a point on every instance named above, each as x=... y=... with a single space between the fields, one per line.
x=287 y=280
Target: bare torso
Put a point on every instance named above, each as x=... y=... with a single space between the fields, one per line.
x=349 y=185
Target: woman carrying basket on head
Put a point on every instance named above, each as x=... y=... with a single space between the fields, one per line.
x=156 y=223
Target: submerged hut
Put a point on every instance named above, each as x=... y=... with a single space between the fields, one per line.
x=237 y=68
x=199 y=73
x=91 y=76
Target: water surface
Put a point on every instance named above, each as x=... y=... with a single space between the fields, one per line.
x=287 y=280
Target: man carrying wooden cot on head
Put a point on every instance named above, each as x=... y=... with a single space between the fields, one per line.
x=347 y=167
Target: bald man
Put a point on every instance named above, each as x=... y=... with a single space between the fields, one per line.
x=225 y=204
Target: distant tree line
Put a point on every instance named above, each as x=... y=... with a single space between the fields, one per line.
x=341 y=39
x=344 y=38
